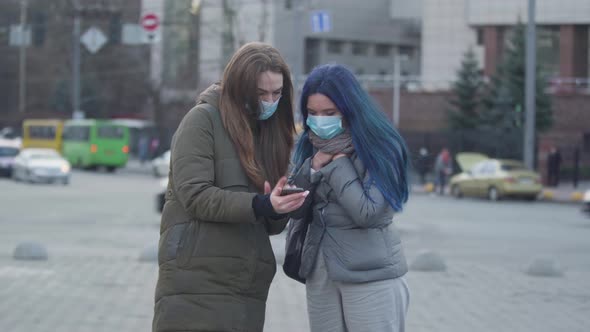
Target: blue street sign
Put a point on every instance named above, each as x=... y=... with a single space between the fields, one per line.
x=320 y=22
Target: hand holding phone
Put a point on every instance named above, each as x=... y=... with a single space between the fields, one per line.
x=288 y=191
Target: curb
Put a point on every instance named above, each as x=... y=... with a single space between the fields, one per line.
x=547 y=195
x=575 y=197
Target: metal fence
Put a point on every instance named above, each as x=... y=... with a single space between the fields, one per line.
x=493 y=143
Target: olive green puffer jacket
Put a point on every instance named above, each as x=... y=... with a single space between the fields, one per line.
x=215 y=258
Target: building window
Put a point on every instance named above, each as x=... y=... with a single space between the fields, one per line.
x=548 y=50
x=115 y=29
x=38 y=29
x=479 y=36
x=360 y=48
x=587 y=142
x=312 y=54
x=407 y=51
x=360 y=71
x=335 y=46
x=382 y=50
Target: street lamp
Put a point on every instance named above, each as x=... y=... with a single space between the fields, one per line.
x=397 y=59
x=530 y=64
x=23 y=58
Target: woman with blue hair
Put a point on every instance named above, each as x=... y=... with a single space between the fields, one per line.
x=356 y=163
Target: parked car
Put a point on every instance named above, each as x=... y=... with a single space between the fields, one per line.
x=9 y=148
x=161 y=196
x=161 y=164
x=41 y=165
x=586 y=202
x=494 y=178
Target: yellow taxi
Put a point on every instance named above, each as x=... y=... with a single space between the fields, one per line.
x=494 y=178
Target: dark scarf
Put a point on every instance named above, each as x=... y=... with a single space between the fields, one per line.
x=340 y=144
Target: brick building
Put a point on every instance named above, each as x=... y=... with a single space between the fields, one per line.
x=450 y=27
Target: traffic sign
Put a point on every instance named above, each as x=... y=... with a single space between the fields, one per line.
x=320 y=21
x=94 y=39
x=150 y=22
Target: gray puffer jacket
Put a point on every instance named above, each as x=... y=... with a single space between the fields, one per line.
x=352 y=224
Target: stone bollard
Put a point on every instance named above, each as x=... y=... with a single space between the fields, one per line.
x=149 y=254
x=544 y=267
x=30 y=251
x=428 y=261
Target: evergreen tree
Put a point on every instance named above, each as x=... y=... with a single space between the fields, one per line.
x=504 y=103
x=465 y=102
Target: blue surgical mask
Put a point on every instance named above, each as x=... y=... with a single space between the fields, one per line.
x=326 y=127
x=267 y=109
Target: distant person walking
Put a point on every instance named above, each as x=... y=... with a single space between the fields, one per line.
x=423 y=164
x=154 y=145
x=143 y=149
x=443 y=167
x=553 y=167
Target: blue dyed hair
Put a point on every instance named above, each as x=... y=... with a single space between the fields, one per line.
x=377 y=143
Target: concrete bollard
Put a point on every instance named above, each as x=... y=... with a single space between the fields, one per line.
x=548 y=195
x=544 y=267
x=428 y=261
x=577 y=196
x=30 y=251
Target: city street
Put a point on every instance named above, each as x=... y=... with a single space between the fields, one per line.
x=96 y=228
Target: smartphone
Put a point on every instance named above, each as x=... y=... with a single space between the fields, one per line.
x=289 y=191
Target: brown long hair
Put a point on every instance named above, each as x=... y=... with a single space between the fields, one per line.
x=264 y=147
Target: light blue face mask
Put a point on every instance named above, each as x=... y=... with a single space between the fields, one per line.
x=268 y=109
x=326 y=127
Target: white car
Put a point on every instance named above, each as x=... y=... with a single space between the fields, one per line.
x=161 y=165
x=41 y=165
x=161 y=196
x=9 y=148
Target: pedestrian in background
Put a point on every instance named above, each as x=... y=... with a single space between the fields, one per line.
x=215 y=258
x=553 y=167
x=357 y=162
x=154 y=145
x=423 y=164
x=443 y=168
x=143 y=148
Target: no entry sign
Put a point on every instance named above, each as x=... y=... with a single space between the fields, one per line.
x=150 y=22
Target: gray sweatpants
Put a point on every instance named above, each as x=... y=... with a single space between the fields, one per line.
x=377 y=306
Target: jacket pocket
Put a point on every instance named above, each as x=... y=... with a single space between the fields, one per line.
x=187 y=244
x=169 y=240
x=357 y=249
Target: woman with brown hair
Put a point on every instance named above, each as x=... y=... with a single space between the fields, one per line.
x=215 y=258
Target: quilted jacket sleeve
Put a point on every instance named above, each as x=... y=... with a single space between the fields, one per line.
x=364 y=204
x=193 y=174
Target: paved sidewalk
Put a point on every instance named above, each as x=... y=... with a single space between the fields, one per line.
x=100 y=294
x=94 y=282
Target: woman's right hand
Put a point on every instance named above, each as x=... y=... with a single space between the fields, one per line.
x=284 y=204
x=320 y=160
